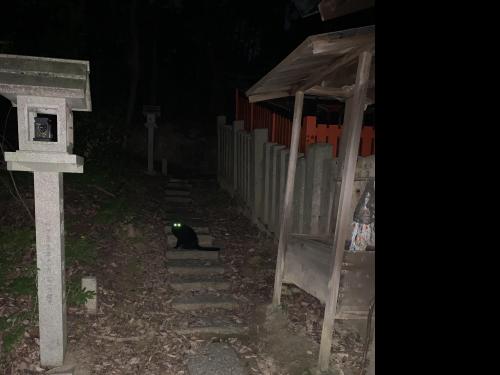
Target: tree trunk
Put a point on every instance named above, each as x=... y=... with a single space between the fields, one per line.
x=134 y=70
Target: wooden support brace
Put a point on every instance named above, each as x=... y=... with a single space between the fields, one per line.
x=349 y=151
x=287 y=204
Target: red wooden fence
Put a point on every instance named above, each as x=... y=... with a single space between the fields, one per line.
x=256 y=116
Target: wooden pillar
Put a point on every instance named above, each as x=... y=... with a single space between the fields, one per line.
x=355 y=106
x=287 y=203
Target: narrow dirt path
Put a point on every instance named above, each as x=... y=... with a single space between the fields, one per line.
x=134 y=331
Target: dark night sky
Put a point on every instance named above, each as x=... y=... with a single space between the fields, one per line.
x=204 y=49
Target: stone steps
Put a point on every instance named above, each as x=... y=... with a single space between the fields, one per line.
x=194 y=267
x=199 y=282
x=215 y=359
x=203 y=240
x=192 y=254
x=202 y=302
x=179 y=186
x=185 y=200
x=211 y=331
x=198 y=230
x=177 y=193
x=201 y=271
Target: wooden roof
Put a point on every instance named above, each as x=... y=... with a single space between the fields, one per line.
x=43 y=76
x=322 y=65
x=330 y=9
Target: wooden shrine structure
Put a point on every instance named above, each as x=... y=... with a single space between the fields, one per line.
x=338 y=65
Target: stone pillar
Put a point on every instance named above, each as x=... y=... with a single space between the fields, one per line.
x=49 y=217
x=151 y=126
x=298 y=195
x=237 y=126
x=274 y=204
x=315 y=157
x=164 y=167
x=258 y=140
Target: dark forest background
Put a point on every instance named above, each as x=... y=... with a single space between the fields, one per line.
x=186 y=56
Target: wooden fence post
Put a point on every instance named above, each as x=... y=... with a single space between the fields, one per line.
x=237 y=126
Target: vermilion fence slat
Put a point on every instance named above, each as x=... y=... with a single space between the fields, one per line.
x=279 y=127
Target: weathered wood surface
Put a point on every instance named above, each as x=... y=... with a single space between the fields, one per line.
x=307 y=265
x=349 y=151
x=286 y=214
x=328 y=57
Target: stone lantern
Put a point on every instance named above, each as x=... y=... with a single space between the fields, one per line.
x=152 y=112
x=46 y=91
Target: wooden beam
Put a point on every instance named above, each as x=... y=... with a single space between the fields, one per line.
x=336 y=63
x=330 y=91
x=340 y=46
x=272 y=95
x=349 y=154
x=287 y=204
x=296 y=54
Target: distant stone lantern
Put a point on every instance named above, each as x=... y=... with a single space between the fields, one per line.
x=46 y=91
x=152 y=112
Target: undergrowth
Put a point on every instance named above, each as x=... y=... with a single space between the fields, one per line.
x=18 y=279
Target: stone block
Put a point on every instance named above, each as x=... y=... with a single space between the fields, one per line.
x=203 y=240
x=204 y=301
x=199 y=282
x=215 y=359
x=179 y=186
x=177 y=193
x=194 y=267
x=198 y=230
x=177 y=199
x=192 y=254
x=89 y=283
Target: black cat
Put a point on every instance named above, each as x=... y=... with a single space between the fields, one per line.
x=187 y=238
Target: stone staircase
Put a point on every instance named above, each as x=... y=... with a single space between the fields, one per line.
x=178 y=191
x=198 y=277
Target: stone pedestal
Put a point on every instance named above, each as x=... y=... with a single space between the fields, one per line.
x=164 y=167
x=151 y=126
x=46 y=91
x=49 y=215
